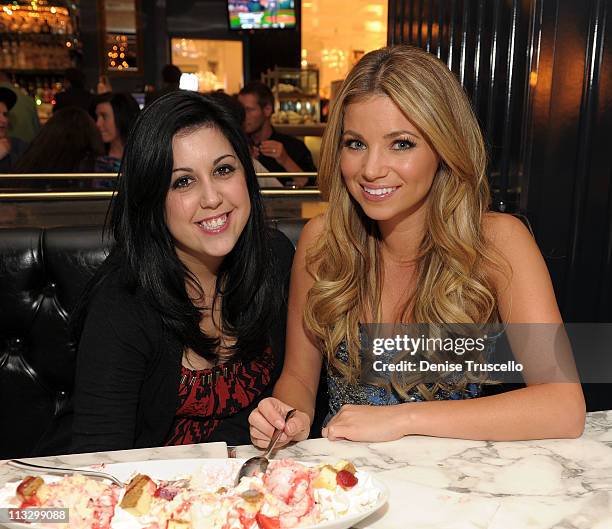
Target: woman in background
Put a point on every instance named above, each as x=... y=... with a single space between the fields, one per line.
x=68 y=143
x=408 y=238
x=115 y=115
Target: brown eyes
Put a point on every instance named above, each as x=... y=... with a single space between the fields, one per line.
x=223 y=171
x=182 y=181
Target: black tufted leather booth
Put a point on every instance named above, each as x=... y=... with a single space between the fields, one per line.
x=42 y=273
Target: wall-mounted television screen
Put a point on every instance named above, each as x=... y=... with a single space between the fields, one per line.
x=262 y=14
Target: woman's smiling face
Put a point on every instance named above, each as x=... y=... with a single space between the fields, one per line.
x=387 y=165
x=208 y=204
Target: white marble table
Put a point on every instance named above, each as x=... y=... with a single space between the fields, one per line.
x=450 y=483
x=456 y=484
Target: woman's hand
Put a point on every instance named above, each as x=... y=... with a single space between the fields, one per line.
x=270 y=414
x=372 y=424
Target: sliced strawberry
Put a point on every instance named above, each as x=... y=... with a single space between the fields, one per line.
x=166 y=493
x=265 y=522
x=346 y=480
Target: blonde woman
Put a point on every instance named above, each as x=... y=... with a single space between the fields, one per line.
x=408 y=238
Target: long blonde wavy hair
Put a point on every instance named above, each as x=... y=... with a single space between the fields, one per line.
x=451 y=281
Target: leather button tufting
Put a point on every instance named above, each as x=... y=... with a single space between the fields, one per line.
x=15 y=345
x=49 y=290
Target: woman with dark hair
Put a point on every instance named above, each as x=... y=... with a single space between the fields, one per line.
x=68 y=143
x=181 y=331
x=115 y=115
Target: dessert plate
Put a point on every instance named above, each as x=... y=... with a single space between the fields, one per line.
x=211 y=472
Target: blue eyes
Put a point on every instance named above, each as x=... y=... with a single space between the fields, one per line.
x=223 y=171
x=355 y=145
x=402 y=144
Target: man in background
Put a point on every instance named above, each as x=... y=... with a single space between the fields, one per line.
x=23 y=117
x=75 y=94
x=279 y=153
x=11 y=148
x=171 y=78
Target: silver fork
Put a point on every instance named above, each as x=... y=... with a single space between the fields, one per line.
x=58 y=470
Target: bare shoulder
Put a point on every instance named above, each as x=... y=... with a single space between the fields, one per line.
x=507 y=234
x=516 y=250
x=311 y=231
x=524 y=291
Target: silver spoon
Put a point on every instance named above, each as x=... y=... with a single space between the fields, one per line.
x=57 y=470
x=260 y=463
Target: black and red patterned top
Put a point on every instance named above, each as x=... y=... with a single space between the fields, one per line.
x=208 y=396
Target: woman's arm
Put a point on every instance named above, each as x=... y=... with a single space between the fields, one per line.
x=114 y=351
x=541 y=410
x=297 y=385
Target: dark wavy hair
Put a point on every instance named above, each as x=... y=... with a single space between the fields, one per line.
x=125 y=111
x=231 y=103
x=144 y=254
x=68 y=143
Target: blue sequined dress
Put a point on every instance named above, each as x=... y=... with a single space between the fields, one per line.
x=341 y=393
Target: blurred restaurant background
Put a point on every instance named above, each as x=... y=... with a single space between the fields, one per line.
x=538 y=73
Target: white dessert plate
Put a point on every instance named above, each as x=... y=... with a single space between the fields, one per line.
x=224 y=471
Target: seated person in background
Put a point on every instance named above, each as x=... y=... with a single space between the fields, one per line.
x=24 y=122
x=277 y=152
x=104 y=85
x=408 y=238
x=68 y=143
x=181 y=331
x=171 y=79
x=10 y=148
x=237 y=110
x=75 y=94
x=115 y=114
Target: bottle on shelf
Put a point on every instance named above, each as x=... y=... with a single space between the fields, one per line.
x=35 y=37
